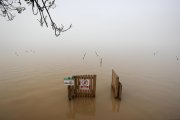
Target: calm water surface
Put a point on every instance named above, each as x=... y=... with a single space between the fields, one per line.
x=31 y=88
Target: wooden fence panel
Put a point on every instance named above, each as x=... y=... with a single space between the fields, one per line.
x=84 y=86
x=116 y=85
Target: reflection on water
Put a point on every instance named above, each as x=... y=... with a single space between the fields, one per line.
x=115 y=103
x=33 y=89
x=82 y=106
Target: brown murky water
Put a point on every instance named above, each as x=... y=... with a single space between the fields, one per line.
x=33 y=89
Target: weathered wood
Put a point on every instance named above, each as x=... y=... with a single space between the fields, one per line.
x=116 y=85
x=76 y=91
x=119 y=90
x=71 y=92
x=94 y=86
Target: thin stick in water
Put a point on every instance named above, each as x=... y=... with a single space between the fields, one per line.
x=101 y=62
x=155 y=53
x=16 y=54
x=96 y=54
x=84 y=55
x=177 y=58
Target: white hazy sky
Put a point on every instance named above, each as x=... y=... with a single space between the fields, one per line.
x=105 y=25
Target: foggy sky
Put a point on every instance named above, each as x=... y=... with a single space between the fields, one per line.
x=105 y=25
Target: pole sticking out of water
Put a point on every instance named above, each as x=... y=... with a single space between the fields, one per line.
x=155 y=53
x=84 y=55
x=96 y=54
x=177 y=58
x=101 y=62
x=16 y=54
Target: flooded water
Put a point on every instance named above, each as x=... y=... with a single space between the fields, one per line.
x=139 y=39
x=32 y=88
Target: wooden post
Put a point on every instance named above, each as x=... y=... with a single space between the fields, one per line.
x=119 y=90
x=70 y=92
x=94 y=85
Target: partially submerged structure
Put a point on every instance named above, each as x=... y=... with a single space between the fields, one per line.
x=84 y=86
x=116 y=86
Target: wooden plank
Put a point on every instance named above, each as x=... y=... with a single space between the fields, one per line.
x=94 y=85
x=120 y=90
x=78 y=92
x=71 y=94
x=116 y=85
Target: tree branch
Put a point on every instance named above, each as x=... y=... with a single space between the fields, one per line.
x=40 y=8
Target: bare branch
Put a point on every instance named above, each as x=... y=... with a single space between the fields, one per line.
x=39 y=7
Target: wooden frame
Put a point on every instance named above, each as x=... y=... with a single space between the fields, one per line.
x=76 y=91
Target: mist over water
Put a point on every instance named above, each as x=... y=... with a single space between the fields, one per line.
x=31 y=86
x=139 y=40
